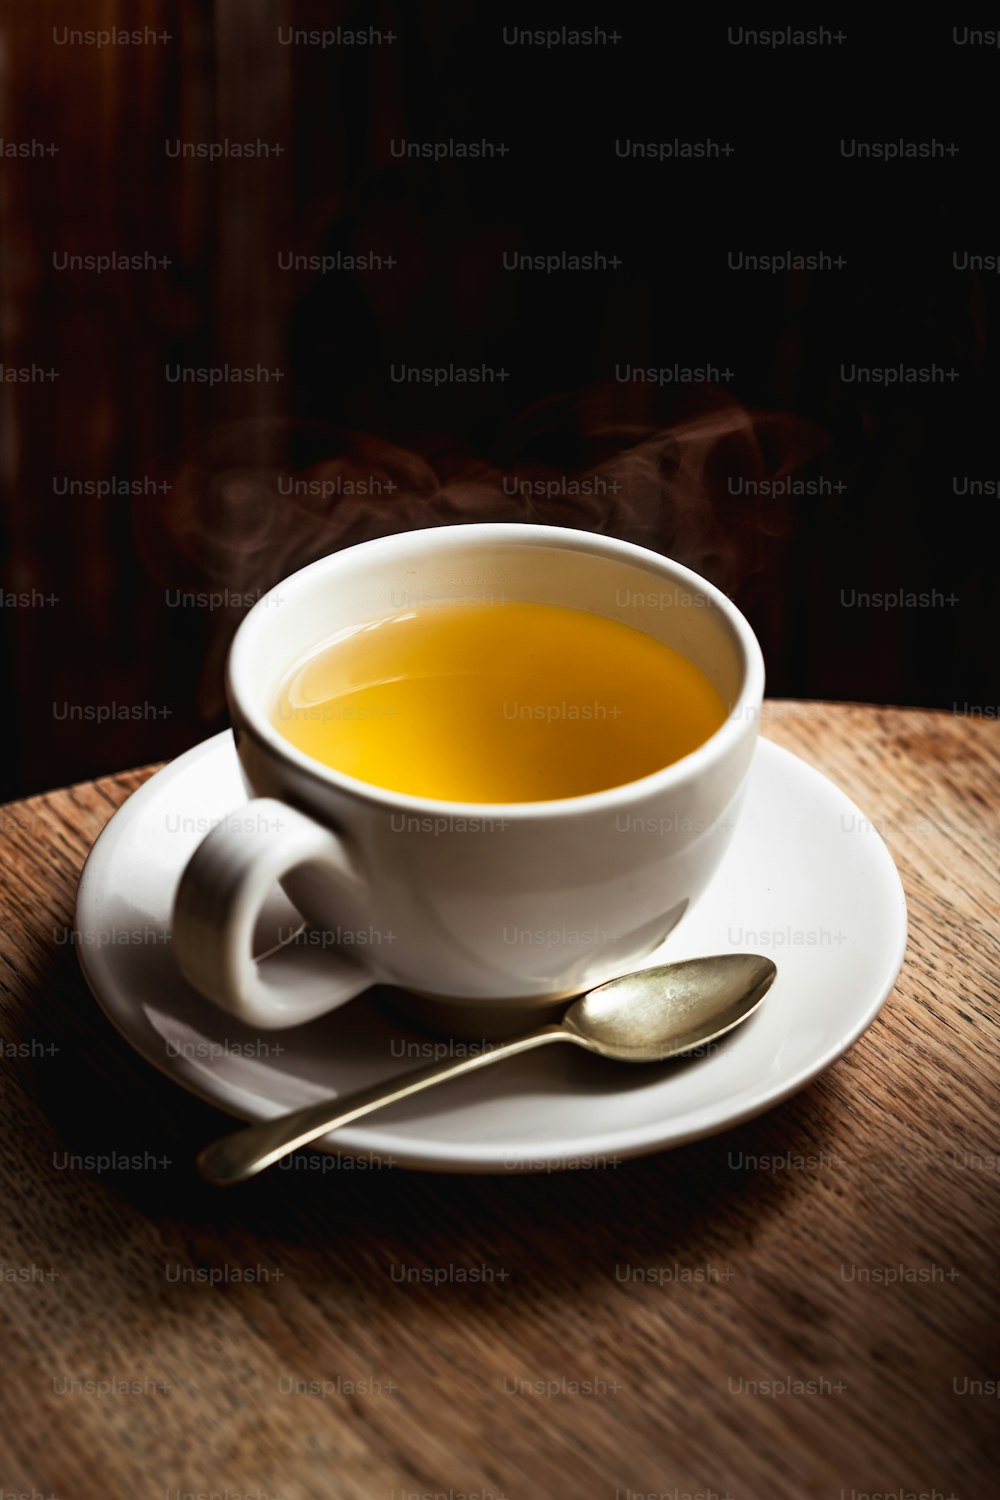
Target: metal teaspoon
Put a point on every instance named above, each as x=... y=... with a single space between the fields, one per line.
x=643 y=1017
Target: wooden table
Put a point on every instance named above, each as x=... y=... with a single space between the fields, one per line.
x=263 y=1342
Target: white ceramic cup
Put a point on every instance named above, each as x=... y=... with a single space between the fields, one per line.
x=489 y=911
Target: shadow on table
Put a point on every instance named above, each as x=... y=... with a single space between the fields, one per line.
x=354 y=1224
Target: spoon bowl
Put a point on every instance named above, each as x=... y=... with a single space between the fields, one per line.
x=658 y=1013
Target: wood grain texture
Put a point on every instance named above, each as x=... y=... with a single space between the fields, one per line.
x=296 y=1338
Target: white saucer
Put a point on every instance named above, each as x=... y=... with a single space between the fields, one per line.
x=806 y=881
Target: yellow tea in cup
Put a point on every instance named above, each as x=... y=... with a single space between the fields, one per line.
x=497 y=702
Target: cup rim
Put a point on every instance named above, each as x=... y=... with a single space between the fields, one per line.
x=247 y=711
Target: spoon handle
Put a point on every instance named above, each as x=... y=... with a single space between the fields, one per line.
x=246 y=1152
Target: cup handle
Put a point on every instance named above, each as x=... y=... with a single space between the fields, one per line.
x=219 y=899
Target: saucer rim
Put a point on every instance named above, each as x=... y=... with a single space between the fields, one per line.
x=483 y=1157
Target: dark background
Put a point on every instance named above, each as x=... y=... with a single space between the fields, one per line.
x=881 y=468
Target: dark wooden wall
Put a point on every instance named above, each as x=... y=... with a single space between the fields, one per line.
x=213 y=517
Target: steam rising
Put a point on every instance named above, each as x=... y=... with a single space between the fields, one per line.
x=262 y=500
